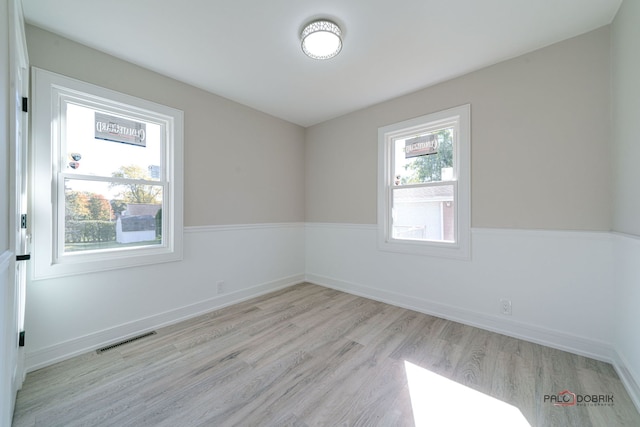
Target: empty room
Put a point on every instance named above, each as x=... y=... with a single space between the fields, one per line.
x=362 y=213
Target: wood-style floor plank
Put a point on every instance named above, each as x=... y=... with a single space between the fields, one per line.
x=311 y=356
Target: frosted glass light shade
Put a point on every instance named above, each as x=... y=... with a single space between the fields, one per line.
x=321 y=39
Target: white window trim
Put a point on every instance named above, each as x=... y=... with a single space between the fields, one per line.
x=461 y=249
x=49 y=90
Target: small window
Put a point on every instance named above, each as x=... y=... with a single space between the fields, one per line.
x=423 y=185
x=110 y=165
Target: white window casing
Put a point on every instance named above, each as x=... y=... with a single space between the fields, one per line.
x=458 y=185
x=52 y=93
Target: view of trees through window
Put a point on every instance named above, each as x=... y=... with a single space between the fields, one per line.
x=91 y=217
x=134 y=192
x=429 y=168
x=113 y=192
x=423 y=203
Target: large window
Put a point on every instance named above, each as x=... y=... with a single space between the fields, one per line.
x=108 y=178
x=423 y=184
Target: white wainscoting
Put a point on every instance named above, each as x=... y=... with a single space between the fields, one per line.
x=72 y=315
x=626 y=262
x=576 y=291
x=7 y=338
x=572 y=290
x=559 y=282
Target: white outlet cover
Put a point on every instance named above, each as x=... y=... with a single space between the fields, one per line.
x=505 y=307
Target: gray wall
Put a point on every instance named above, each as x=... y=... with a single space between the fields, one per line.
x=626 y=118
x=241 y=166
x=540 y=135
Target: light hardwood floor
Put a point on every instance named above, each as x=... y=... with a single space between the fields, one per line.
x=312 y=356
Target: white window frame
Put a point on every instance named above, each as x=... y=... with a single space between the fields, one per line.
x=461 y=248
x=50 y=91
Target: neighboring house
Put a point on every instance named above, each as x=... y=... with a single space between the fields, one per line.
x=137 y=223
x=134 y=209
x=135 y=228
x=424 y=213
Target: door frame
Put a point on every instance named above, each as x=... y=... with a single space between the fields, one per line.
x=18 y=179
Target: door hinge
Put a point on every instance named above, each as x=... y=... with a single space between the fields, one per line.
x=23 y=221
x=25 y=104
x=21 y=339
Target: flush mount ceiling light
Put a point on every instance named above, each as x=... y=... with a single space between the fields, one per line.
x=321 y=39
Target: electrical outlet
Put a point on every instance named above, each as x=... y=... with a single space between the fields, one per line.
x=221 y=287
x=505 y=307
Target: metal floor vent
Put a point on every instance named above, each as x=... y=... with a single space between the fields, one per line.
x=112 y=346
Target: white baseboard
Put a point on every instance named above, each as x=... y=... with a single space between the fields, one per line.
x=65 y=350
x=627 y=378
x=550 y=338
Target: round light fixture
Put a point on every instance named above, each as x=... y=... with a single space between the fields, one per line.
x=321 y=39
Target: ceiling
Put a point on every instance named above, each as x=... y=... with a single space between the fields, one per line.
x=249 y=50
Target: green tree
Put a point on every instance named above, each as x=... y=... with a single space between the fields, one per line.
x=99 y=207
x=84 y=206
x=76 y=206
x=118 y=206
x=135 y=192
x=429 y=168
x=159 y=223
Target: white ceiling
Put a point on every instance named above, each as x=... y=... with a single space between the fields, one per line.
x=249 y=50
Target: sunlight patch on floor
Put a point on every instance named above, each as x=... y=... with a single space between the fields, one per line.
x=439 y=401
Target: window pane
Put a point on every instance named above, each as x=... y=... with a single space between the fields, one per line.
x=97 y=143
x=424 y=213
x=105 y=215
x=424 y=158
